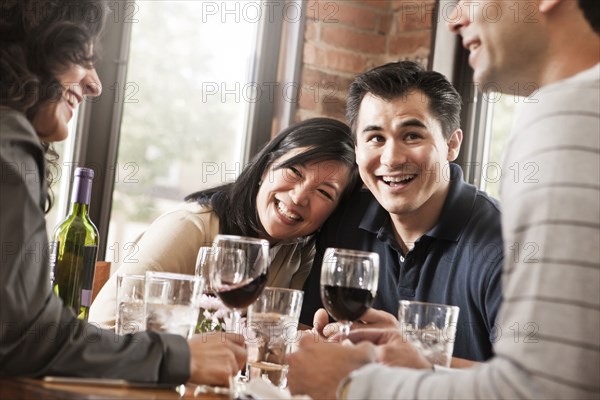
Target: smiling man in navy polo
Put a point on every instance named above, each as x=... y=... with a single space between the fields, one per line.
x=438 y=238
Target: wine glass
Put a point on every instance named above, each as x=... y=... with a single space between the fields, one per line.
x=238 y=271
x=348 y=284
x=202 y=262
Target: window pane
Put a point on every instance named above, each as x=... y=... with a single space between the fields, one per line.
x=503 y=110
x=185 y=104
x=61 y=177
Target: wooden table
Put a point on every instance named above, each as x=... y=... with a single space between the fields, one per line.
x=24 y=388
x=30 y=389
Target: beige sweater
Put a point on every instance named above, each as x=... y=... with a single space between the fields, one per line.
x=171 y=244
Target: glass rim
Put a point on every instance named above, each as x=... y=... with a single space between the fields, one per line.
x=132 y=276
x=173 y=275
x=427 y=304
x=242 y=239
x=352 y=252
x=278 y=289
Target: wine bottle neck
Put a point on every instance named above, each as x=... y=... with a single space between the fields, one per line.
x=82 y=191
x=79 y=209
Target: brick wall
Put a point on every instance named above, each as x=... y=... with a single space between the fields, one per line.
x=346 y=37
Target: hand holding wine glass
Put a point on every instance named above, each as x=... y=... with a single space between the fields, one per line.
x=238 y=271
x=348 y=284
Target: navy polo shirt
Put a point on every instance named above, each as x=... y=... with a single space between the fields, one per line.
x=457 y=262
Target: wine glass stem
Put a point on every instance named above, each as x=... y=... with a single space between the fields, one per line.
x=236 y=317
x=345 y=329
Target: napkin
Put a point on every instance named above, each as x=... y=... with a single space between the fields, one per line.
x=262 y=389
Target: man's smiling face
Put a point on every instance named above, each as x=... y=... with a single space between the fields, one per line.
x=402 y=153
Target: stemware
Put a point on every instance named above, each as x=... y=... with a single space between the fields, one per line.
x=202 y=266
x=238 y=271
x=348 y=284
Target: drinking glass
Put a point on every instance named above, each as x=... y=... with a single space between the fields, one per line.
x=172 y=302
x=130 y=304
x=238 y=271
x=348 y=284
x=431 y=328
x=202 y=261
x=271 y=332
x=212 y=310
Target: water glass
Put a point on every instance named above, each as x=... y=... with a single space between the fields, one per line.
x=172 y=302
x=431 y=328
x=271 y=332
x=130 y=304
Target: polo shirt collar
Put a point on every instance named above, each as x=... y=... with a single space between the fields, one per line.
x=457 y=207
x=375 y=216
x=453 y=218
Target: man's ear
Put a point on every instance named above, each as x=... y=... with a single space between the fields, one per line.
x=454 y=143
x=547 y=5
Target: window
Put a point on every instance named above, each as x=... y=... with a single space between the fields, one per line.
x=186 y=97
x=501 y=110
x=179 y=110
x=62 y=175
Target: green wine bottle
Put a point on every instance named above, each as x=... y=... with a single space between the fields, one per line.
x=75 y=249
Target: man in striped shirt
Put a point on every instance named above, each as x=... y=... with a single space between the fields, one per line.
x=549 y=342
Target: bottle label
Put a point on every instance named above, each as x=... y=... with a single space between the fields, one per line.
x=89 y=268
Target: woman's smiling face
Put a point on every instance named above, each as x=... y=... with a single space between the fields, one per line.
x=295 y=201
x=52 y=119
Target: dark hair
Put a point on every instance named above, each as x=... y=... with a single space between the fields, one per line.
x=393 y=80
x=235 y=203
x=38 y=40
x=591 y=11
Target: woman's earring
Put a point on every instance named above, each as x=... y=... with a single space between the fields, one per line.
x=260 y=182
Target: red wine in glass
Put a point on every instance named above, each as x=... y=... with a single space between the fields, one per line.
x=349 y=281
x=241 y=296
x=346 y=303
x=238 y=271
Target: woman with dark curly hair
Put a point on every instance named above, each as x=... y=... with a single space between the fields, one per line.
x=47 y=53
x=46 y=65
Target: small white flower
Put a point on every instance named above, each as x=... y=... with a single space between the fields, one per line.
x=213 y=313
x=211 y=303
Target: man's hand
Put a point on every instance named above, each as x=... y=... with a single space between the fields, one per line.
x=216 y=356
x=377 y=319
x=320 y=321
x=372 y=319
x=392 y=349
x=379 y=328
x=318 y=367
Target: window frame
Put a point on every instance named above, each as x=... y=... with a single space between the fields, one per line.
x=450 y=58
